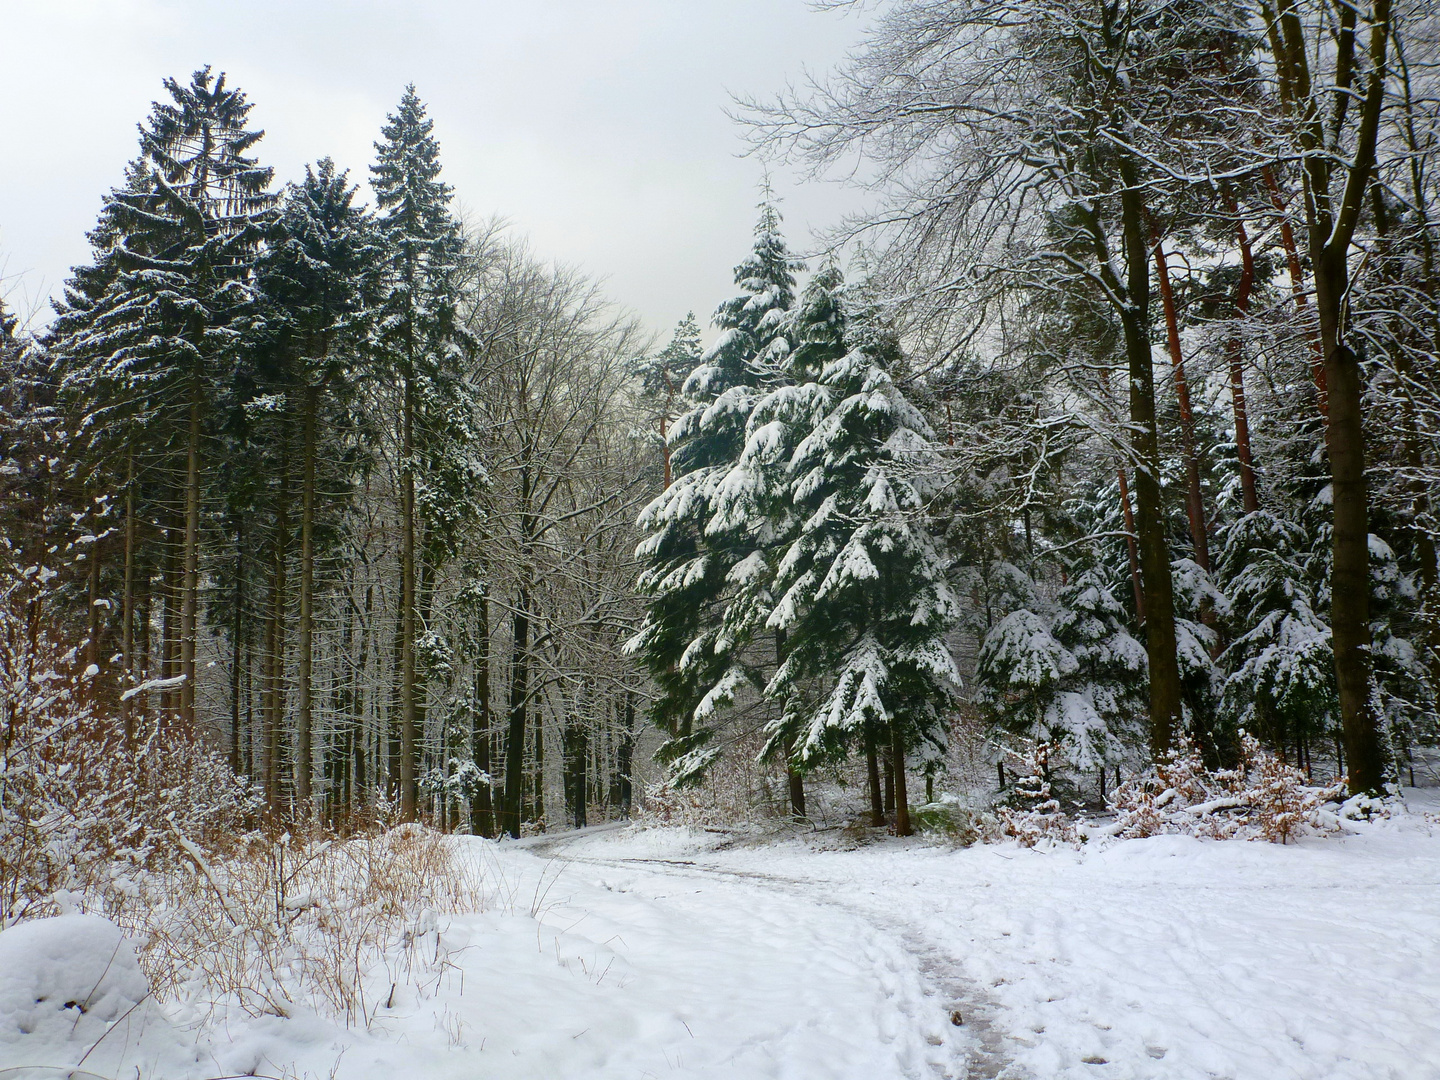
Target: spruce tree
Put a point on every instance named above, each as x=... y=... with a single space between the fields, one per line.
x=419 y=335
x=687 y=562
x=1072 y=677
x=860 y=589
x=160 y=320
x=319 y=280
x=1282 y=682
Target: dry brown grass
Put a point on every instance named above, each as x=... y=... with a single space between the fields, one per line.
x=281 y=923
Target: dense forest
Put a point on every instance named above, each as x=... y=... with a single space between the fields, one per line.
x=1107 y=434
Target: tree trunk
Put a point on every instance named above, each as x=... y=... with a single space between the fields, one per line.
x=191 y=583
x=170 y=585
x=795 y=782
x=888 y=764
x=275 y=659
x=515 y=735
x=1350 y=573
x=127 y=604
x=1330 y=224
x=303 y=736
x=577 y=751
x=872 y=776
x=902 y=798
x=407 y=608
x=537 y=785
x=624 y=755
x=665 y=451
x=93 y=597
x=482 y=812
x=1194 y=500
x=237 y=627
x=1145 y=452
x=1235 y=354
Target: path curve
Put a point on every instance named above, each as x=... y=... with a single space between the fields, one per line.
x=982 y=1051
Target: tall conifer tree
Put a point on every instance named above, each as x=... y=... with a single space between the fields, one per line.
x=418 y=333
x=682 y=641
x=162 y=315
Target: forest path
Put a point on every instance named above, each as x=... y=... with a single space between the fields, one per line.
x=972 y=1048
x=1168 y=958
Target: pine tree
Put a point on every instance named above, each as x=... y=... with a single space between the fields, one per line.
x=688 y=564
x=319 y=281
x=860 y=590
x=162 y=315
x=1282 y=682
x=1073 y=677
x=420 y=337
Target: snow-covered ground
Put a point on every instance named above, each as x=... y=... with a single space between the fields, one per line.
x=634 y=953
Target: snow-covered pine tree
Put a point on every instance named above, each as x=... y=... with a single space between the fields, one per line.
x=1402 y=680
x=319 y=279
x=753 y=503
x=419 y=337
x=1196 y=644
x=688 y=565
x=1073 y=677
x=860 y=587
x=1282 y=682
x=163 y=315
x=662 y=374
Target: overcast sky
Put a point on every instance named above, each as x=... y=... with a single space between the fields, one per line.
x=596 y=127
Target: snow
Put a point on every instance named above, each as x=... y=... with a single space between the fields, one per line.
x=668 y=952
x=71 y=992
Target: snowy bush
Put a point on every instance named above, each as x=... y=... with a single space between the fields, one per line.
x=1264 y=799
x=285 y=923
x=1030 y=813
x=81 y=808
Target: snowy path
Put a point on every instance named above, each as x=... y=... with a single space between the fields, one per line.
x=649 y=954
x=1168 y=958
x=771 y=975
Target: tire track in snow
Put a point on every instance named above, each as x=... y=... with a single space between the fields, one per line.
x=983 y=1047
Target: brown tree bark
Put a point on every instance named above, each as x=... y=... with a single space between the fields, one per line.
x=902 y=797
x=1194 y=500
x=1235 y=356
x=1330 y=226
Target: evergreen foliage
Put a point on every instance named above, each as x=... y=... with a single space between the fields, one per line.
x=690 y=554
